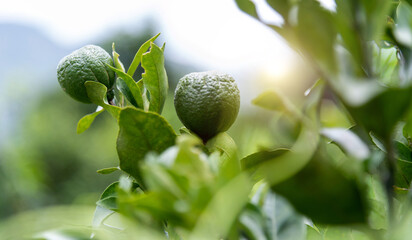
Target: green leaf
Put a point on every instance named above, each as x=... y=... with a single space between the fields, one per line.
x=281 y=6
x=270 y=216
x=281 y=167
x=141 y=132
x=276 y=101
x=155 y=78
x=222 y=210
x=248 y=7
x=108 y=170
x=228 y=161
x=117 y=63
x=97 y=94
x=377 y=200
x=110 y=191
x=86 y=121
x=108 y=203
x=404 y=173
x=337 y=232
x=125 y=90
x=138 y=57
x=317 y=34
x=402 y=31
x=131 y=91
x=324 y=193
x=348 y=141
x=378 y=114
x=270 y=100
x=100 y=215
x=376 y=12
x=253 y=160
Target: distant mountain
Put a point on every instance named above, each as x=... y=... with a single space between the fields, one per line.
x=28 y=61
x=27 y=49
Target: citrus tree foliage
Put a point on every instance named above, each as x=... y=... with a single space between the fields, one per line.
x=329 y=181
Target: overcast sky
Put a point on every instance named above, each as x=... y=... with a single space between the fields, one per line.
x=213 y=33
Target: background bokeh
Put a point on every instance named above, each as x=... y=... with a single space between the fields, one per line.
x=43 y=162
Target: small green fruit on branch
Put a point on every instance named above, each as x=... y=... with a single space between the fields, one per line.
x=207 y=103
x=85 y=64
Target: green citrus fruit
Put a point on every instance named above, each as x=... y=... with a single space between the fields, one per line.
x=207 y=103
x=85 y=64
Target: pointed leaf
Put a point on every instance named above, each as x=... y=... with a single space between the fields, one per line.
x=108 y=170
x=117 y=63
x=270 y=101
x=138 y=57
x=155 y=78
x=85 y=122
x=248 y=7
x=253 y=160
x=132 y=92
x=97 y=94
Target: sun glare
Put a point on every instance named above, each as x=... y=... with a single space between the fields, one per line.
x=276 y=73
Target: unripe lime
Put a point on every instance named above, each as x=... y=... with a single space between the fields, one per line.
x=85 y=64
x=207 y=103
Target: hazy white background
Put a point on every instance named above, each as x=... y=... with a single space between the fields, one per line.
x=211 y=33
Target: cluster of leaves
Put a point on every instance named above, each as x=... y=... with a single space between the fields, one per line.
x=176 y=184
x=347 y=179
x=361 y=52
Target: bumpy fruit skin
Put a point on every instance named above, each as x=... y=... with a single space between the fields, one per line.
x=85 y=64
x=207 y=103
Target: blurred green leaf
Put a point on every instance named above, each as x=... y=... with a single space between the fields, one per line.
x=27 y=224
x=248 y=7
x=324 y=193
x=221 y=211
x=288 y=164
x=378 y=115
x=155 y=78
x=108 y=198
x=73 y=233
x=317 y=34
x=269 y=216
x=402 y=31
x=376 y=12
x=348 y=141
x=404 y=173
x=130 y=89
x=138 y=57
x=378 y=204
x=252 y=223
x=86 y=121
x=100 y=215
x=108 y=170
x=276 y=101
x=336 y=232
x=270 y=100
x=141 y=132
x=228 y=161
x=253 y=160
x=117 y=63
x=386 y=65
x=110 y=191
x=97 y=94
x=281 y=6
x=108 y=203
